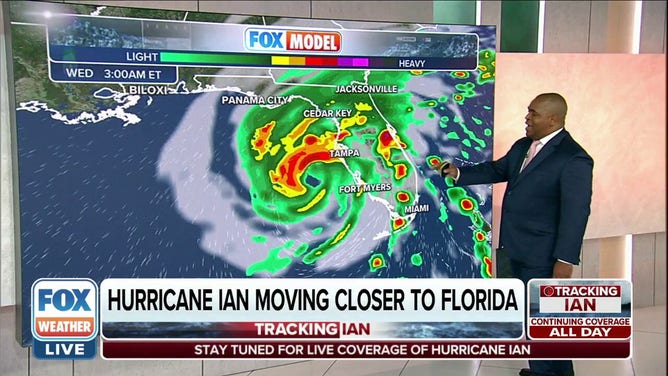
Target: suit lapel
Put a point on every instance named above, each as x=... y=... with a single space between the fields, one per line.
x=517 y=167
x=544 y=153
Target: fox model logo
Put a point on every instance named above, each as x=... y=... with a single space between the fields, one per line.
x=272 y=40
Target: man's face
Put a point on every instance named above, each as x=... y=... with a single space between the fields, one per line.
x=539 y=120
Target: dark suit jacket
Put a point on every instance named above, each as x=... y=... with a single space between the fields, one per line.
x=546 y=206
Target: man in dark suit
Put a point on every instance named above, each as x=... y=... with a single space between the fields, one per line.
x=546 y=204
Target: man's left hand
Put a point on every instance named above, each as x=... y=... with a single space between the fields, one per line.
x=562 y=270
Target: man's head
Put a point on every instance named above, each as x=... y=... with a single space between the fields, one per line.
x=546 y=114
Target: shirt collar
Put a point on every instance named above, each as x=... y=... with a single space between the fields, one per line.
x=546 y=139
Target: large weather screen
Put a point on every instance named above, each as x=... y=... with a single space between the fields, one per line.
x=181 y=144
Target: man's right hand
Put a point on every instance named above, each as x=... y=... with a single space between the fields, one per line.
x=445 y=168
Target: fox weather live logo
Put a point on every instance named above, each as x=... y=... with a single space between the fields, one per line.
x=64 y=318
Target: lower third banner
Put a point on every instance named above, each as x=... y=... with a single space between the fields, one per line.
x=272 y=349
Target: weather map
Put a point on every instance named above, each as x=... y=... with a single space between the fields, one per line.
x=180 y=144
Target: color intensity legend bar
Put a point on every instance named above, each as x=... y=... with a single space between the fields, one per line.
x=199 y=58
x=333 y=62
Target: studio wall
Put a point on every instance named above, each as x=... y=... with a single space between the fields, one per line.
x=616 y=112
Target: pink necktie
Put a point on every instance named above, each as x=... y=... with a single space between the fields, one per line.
x=530 y=154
